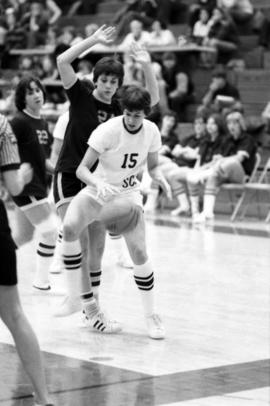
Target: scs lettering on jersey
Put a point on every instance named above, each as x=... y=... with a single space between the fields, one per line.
x=130 y=161
x=42 y=137
x=129 y=182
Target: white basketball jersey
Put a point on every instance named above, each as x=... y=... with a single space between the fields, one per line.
x=123 y=155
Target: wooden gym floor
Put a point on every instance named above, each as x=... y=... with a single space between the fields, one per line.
x=212 y=291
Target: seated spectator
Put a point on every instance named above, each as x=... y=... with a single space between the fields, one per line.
x=201 y=26
x=212 y=148
x=141 y=10
x=195 y=8
x=185 y=156
x=222 y=36
x=169 y=140
x=240 y=10
x=15 y=37
x=221 y=94
x=160 y=35
x=137 y=34
x=178 y=85
x=133 y=73
x=239 y=163
x=36 y=24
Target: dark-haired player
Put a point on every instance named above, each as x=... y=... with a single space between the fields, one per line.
x=89 y=108
x=15 y=178
x=34 y=138
x=123 y=145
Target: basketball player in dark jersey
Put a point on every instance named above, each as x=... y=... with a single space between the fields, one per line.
x=33 y=137
x=15 y=177
x=87 y=110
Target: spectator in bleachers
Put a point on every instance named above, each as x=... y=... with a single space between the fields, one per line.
x=195 y=8
x=36 y=24
x=160 y=35
x=239 y=162
x=142 y=10
x=137 y=34
x=221 y=94
x=178 y=85
x=15 y=36
x=201 y=26
x=185 y=154
x=222 y=37
x=169 y=139
x=211 y=150
x=51 y=8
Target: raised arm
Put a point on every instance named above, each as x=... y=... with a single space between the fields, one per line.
x=64 y=61
x=144 y=59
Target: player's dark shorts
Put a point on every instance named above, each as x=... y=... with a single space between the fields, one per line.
x=65 y=187
x=25 y=202
x=8 y=268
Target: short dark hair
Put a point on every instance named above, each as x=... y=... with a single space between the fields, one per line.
x=133 y=97
x=21 y=90
x=109 y=66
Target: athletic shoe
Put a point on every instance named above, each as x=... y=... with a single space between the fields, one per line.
x=69 y=306
x=155 y=327
x=180 y=212
x=43 y=288
x=100 y=323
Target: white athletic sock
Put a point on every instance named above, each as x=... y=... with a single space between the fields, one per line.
x=194 y=201
x=144 y=278
x=151 y=202
x=208 y=205
x=72 y=257
x=183 y=201
x=95 y=277
x=45 y=251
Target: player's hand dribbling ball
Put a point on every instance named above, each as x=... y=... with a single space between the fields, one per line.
x=120 y=216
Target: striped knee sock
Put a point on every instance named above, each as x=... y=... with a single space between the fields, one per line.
x=144 y=278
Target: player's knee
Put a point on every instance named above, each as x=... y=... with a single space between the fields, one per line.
x=138 y=255
x=69 y=232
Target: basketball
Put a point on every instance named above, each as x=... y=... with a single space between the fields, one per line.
x=120 y=216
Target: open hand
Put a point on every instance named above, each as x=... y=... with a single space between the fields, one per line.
x=104 y=34
x=139 y=54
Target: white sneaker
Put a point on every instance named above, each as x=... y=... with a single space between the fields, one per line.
x=41 y=286
x=155 y=327
x=180 y=212
x=100 y=323
x=69 y=306
x=198 y=218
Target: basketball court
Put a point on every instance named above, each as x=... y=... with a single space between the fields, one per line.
x=212 y=291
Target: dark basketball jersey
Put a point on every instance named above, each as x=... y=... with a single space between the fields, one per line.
x=86 y=113
x=34 y=140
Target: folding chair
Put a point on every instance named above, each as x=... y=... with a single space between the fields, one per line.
x=239 y=188
x=261 y=186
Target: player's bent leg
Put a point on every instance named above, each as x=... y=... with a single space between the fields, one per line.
x=44 y=220
x=144 y=278
x=27 y=345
